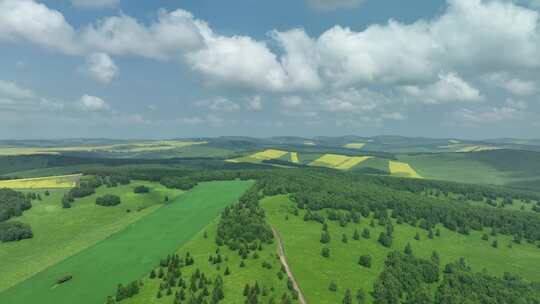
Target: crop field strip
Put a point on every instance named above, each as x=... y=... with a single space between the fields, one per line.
x=131 y=253
x=130 y=147
x=294 y=158
x=260 y=156
x=403 y=170
x=50 y=182
x=336 y=161
x=354 y=145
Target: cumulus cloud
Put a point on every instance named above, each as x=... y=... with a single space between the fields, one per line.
x=333 y=4
x=170 y=35
x=254 y=103
x=93 y=103
x=218 y=104
x=449 y=88
x=94 y=4
x=292 y=101
x=353 y=101
x=30 y=22
x=101 y=67
x=11 y=90
x=511 y=110
x=513 y=85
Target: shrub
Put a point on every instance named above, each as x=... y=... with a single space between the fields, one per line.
x=108 y=200
x=141 y=189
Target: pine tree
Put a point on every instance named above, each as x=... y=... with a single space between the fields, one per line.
x=495 y=244
x=356 y=235
x=365 y=233
x=325 y=252
x=360 y=296
x=347 y=299
x=333 y=286
x=417 y=236
x=227 y=271
x=344 y=238
x=408 y=249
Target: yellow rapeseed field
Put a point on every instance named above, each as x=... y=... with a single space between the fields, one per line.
x=50 y=182
x=337 y=161
x=268 y=154
x=403 y=169
x=354 y=146
x=351 y=162
x=294 y=158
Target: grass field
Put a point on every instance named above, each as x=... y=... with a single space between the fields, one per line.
x=354 y=146
x=314 y=273
x=200 y=248
x=131 y=253
x=456 y=167
x=340 y=162
x=402 y=170
x=49 y=182
x=59 y=233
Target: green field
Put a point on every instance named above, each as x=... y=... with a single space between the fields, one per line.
x=458 y=167
x=314 y=273
x=59 y=233
x=130 y=253
x=201 y=248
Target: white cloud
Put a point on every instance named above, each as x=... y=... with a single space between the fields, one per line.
x=333 y=4
x=254 y=103
x=353 y=101
x=510 y=111
x=210 y=119
x=11 y=90
x=172 y=34
x=515 y=86
x=101 y=67
x=292 y=101
x=93 y=4
x=218 y=104
x=449 y=88
x=31 y=22
x=93 y=103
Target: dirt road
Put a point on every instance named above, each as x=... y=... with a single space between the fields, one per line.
x=283 y=259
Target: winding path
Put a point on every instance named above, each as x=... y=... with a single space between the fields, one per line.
x=283 y=259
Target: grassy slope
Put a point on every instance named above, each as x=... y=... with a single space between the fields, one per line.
x=454 y=167
x=49 y=171
x=200 y=248
x=314 y=272
x=131 y=253
x=59 y=233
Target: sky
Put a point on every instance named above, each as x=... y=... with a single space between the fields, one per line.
x=196 y=68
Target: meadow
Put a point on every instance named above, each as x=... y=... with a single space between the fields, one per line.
x=314 y=272
x=340 y=162
x=200 y=248
x=60 y=233
x=130 y=253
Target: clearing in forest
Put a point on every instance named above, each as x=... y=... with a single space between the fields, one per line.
x=357 y=146
x=131 y=253
x=336 y=161
x=50 y=182
x=403 y=170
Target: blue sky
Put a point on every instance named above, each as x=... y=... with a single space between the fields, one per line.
x=186 y=68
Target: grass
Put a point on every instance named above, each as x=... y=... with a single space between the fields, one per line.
x=50 y=182
x=314 y=273
x=201 y=248
x=402 y=170
x=377 y=163
x=59 y=233
x=354 y=146
x=44 y=172
x=352 y=162
x=131 y=253
x=458 y=167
